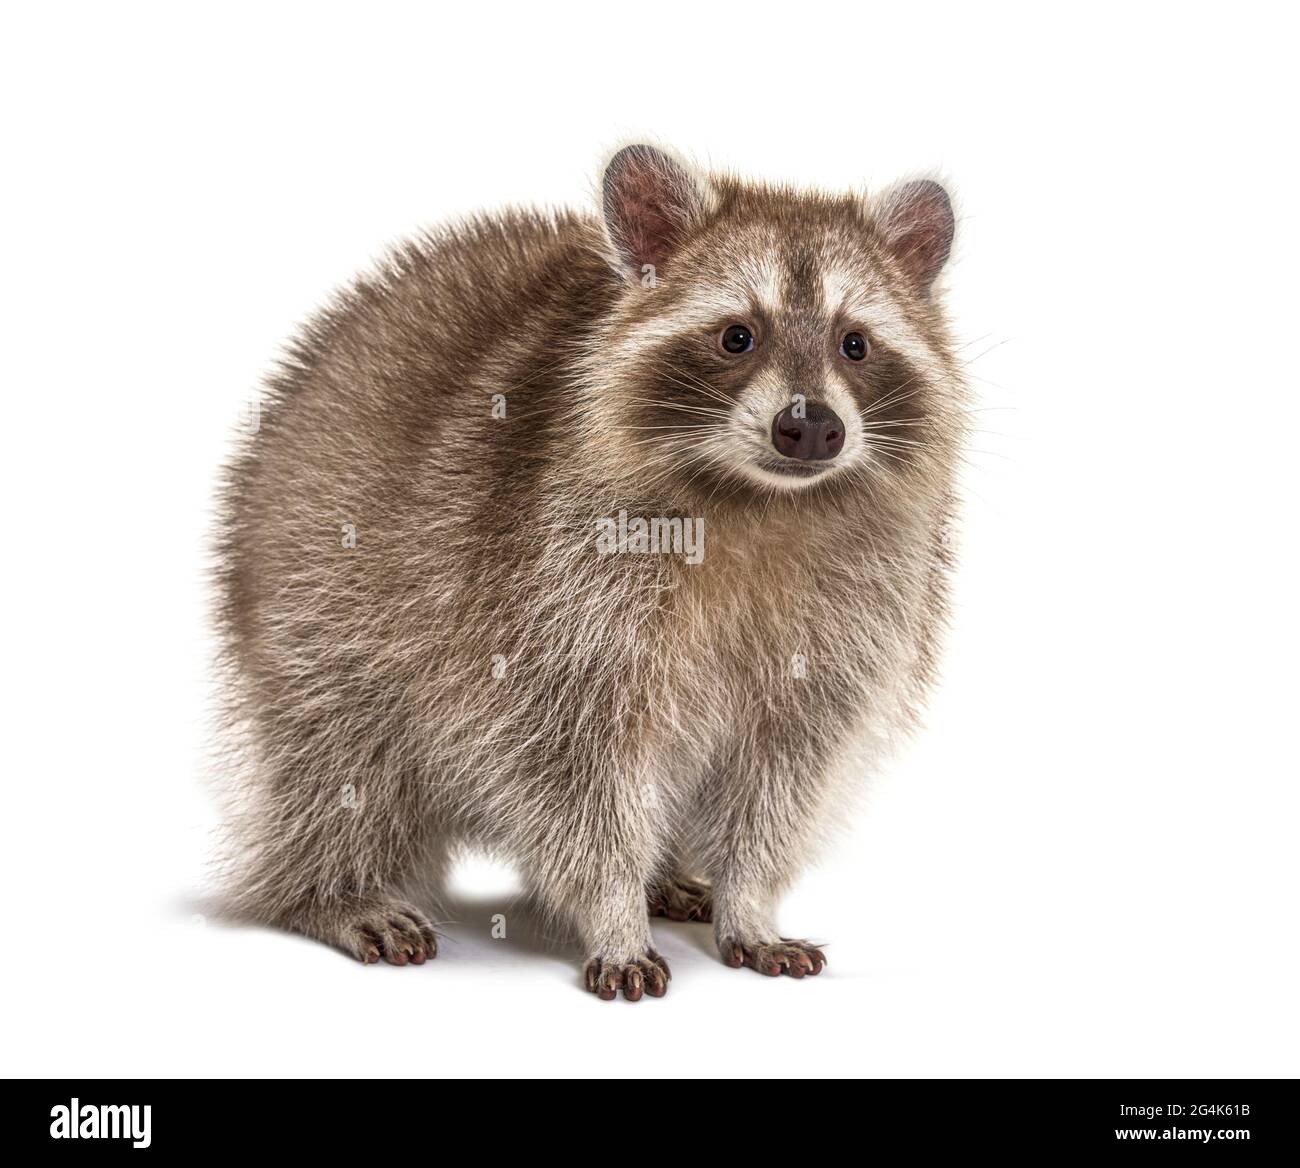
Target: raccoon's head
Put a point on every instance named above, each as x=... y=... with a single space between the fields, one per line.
x=771 y=336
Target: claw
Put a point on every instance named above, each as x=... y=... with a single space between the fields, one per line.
x=680 y=899
x=797 y=959
x=395 y=933
x=649 y=974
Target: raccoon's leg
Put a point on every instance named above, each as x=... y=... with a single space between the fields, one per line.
x=758 y=820
x=331 y=861
x=593 y=868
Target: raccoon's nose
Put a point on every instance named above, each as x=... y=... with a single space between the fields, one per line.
x=815 y=437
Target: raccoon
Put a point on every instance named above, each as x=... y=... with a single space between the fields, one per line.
x=425 y=645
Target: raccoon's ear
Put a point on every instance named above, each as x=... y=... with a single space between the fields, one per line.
x=915 y=222
x=651 y=202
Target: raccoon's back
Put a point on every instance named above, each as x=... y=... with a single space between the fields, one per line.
x=380 y=474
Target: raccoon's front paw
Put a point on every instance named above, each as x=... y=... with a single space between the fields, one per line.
x=648 y=974
x=793 y=958
x=680 y=899
x=393 y=930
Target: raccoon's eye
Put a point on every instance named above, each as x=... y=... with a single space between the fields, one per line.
x=854 y=346
x=736 y=338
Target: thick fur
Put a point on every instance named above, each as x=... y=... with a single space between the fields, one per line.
x=471 y=671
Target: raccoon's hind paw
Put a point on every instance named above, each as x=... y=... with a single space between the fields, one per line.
x=793 y=958
x=391 y=929
x=681 y=899
x=648 y=974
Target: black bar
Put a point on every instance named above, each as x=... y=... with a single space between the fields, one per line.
x=376 y=1118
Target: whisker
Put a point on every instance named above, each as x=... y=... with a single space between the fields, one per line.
x=679 y=406
x=694 y=382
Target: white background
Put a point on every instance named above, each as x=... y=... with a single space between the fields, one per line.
x=1085 y=866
